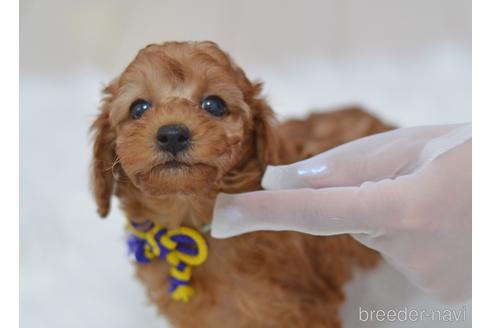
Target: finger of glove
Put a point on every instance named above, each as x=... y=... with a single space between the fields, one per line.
x=319 y=212
x=373 y=158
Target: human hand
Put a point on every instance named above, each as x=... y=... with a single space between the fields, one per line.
x=405 y=193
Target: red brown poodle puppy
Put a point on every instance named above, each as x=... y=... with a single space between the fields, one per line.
x=183 y=123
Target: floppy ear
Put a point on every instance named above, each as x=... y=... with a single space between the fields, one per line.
x=267 y=140
x=103 y=157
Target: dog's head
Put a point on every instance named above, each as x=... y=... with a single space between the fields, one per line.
x=177 y=120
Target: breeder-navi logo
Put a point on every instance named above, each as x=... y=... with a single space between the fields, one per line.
x=406 y=314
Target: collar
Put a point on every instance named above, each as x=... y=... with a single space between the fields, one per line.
x=182 y=248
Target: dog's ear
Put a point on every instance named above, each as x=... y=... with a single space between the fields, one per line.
x=266 y=138
x=104 y=155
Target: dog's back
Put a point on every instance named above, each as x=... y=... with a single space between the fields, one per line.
x=324 y=130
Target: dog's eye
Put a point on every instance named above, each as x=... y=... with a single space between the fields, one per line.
x=214 y=105
x=138 y=107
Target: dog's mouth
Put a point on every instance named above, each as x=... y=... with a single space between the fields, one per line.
x=174 y=164
x=177 y=165
x=170 y=167
x=176 y=176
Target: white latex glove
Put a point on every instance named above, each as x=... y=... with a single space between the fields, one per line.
x=406 y=193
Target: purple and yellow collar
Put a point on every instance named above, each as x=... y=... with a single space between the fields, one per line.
x=182 y=248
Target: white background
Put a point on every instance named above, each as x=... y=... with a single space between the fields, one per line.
x=407 y=61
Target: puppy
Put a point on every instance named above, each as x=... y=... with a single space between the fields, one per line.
x=183 y=123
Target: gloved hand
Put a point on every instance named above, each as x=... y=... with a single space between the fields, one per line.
x=406 y=193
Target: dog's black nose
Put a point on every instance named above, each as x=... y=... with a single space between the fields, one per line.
x=173 y=138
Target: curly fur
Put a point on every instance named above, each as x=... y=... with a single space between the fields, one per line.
x=262 y=279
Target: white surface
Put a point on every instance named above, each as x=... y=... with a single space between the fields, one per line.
x=408 y=63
